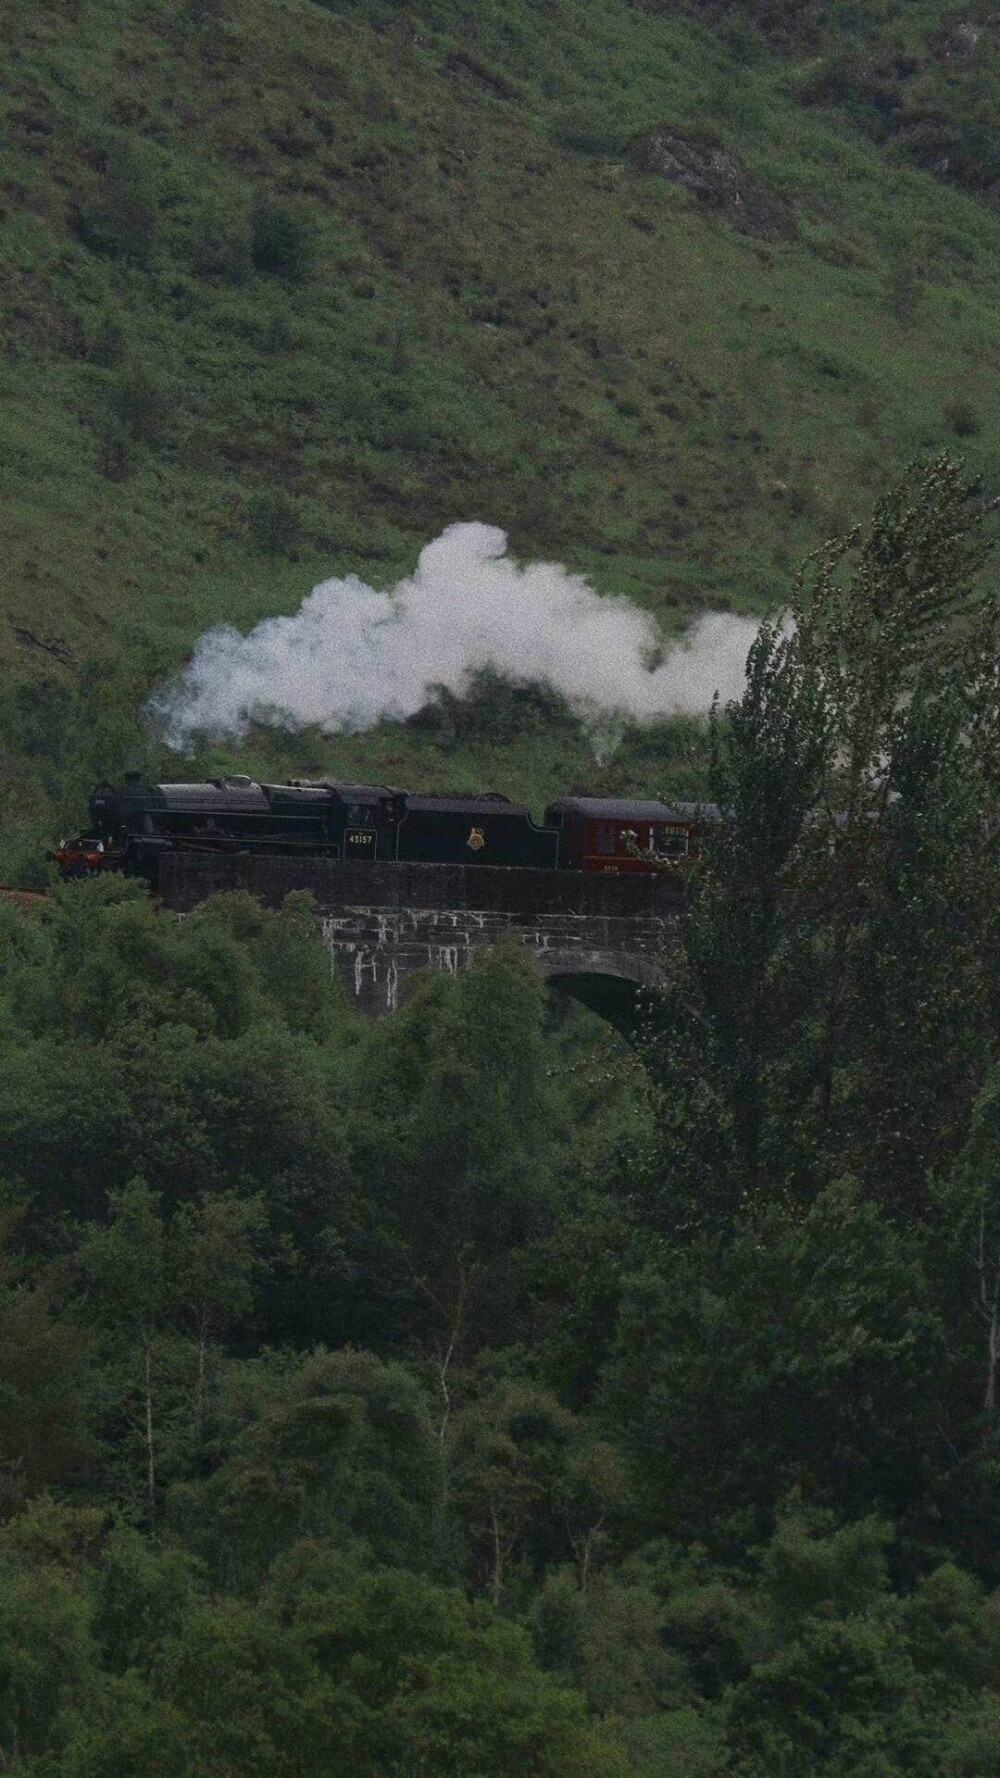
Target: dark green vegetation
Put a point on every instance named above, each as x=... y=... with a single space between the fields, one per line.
x=463 y=1395
x=668 y=292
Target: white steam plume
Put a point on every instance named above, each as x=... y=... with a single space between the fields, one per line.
x=351 y=655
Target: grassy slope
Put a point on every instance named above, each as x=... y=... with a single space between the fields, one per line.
x=502 y=318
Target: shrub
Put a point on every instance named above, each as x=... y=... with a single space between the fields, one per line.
x=206 y=15
x=106 y=344
x=280 y=240
x=963 y=419
x=122 y=224
x=275 y=523
x=277 y=336
x=588 y=129
x=113 y=459
x=492 y=709
x=141 y=405
x=221 y=252
x=904 y=289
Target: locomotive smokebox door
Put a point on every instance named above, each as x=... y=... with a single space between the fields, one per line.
x=360 y=842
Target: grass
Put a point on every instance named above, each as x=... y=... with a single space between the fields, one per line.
x=287 y=288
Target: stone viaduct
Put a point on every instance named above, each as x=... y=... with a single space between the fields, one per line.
x=598 y=938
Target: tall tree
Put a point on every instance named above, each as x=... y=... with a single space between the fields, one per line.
x=456 y=1139
x=814 y=931
x=214 y=1260
x=124 y=1265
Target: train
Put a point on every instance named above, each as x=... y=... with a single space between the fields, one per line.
x=135 y=824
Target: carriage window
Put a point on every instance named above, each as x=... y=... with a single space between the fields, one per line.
x=604 y=838
x=672 y=842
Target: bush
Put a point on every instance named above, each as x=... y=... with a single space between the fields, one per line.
x=280 y=241
x=206 y=15
x=904 y=288
x=277 y=336
x=114 y=461
x=106 y=344
x=122 y=224
x=275 y=524
x=223 y=253
x=588 y=129
x=963 y=419
x=492 y=709
x=140 y=405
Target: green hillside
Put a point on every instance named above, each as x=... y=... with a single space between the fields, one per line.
x=669 y=295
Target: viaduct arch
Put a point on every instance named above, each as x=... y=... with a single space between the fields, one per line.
x=605 y=981
x=598 y=938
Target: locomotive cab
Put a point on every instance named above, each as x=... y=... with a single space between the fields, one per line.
x=363 y=819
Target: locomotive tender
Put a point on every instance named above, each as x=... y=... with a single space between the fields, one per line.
x=134 y=825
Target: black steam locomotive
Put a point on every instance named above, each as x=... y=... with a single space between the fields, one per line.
x=133 y=826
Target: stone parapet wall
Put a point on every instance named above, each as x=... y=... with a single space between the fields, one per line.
x=186 y=878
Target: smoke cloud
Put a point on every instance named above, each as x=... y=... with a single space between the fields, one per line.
x=352 y=655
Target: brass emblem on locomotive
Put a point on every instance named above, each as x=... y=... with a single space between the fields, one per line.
x=476 y=840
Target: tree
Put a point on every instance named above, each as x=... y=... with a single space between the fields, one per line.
x=214 y=1258
x=592 y=1490
x=455 y=1135
x=45 y=1646
x=609 y=1643
x=969 y=1197
x=336 y=1443
x=745 y=971
x=140 y=1595
x=429 y=1682
x=798 y=1351
x=125 y=1267
x=813 y=941
x=881 y=643
x=507 y=1453
x=43 y=1369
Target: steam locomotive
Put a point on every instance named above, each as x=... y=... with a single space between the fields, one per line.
x=134 y=825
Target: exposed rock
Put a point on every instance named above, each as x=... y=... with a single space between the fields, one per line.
x=716 y=178
x=48 y=645
x=963 y=40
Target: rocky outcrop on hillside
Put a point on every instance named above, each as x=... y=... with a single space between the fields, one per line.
x=717 y=178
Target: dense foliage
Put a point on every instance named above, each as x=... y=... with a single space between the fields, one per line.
x=466 y=1395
